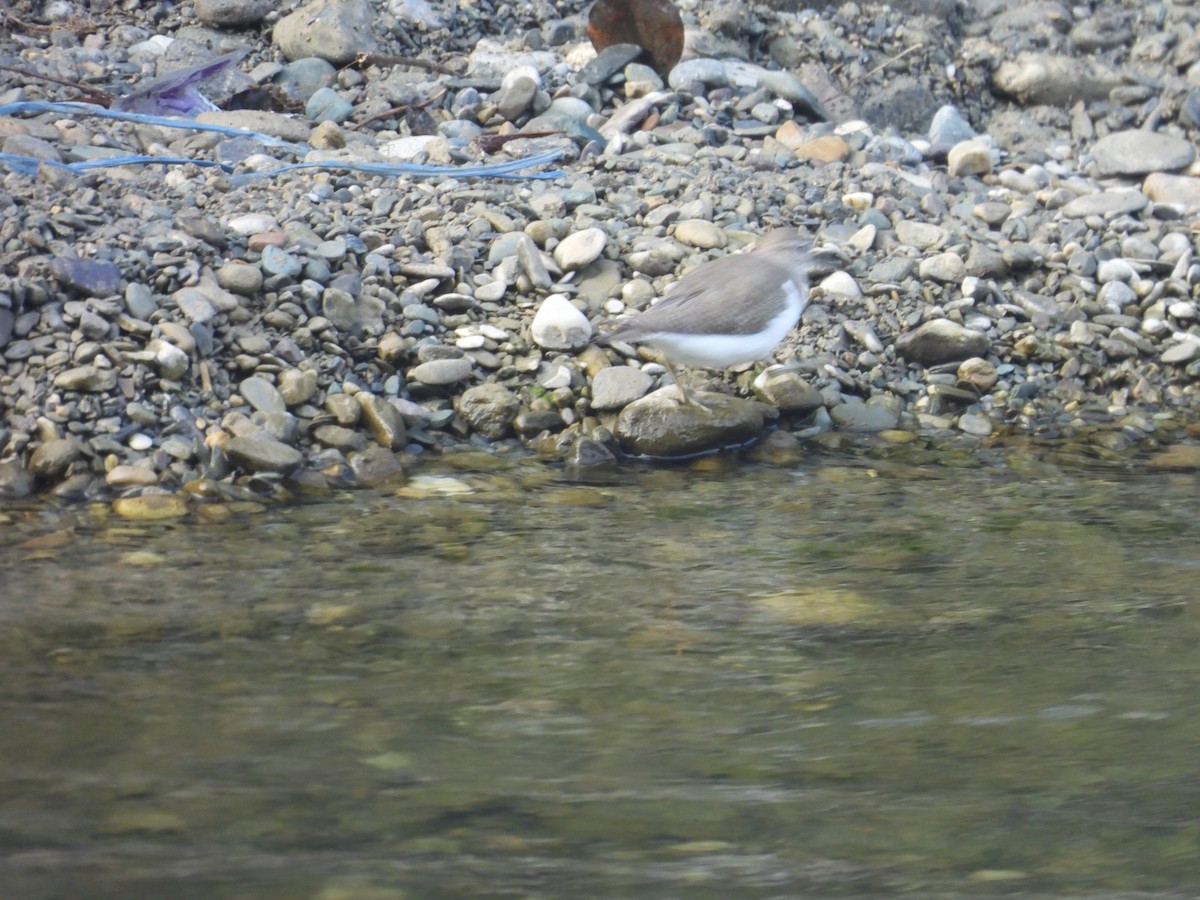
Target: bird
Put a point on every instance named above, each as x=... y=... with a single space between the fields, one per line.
x=729 y=310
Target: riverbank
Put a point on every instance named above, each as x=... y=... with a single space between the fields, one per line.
x=1017 y=205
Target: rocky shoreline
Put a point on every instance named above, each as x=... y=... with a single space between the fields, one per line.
x=1013 y=194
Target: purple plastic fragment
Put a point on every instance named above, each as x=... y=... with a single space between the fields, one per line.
x=177 y=93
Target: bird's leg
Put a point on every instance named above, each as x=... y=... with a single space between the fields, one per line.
x=688 y=396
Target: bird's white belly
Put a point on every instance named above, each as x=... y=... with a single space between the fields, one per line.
x=717 y=351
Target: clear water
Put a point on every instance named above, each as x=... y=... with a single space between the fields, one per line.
x=718 y=681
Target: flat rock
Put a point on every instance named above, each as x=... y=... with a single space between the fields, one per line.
x=618 y=386
x=258 y=452
x=443 y=371
x=940 y=341
x=1139 y=152
x=863 y=418
x=660 y=425
x=86 y=378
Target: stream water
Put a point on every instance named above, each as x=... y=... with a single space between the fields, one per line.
x=830 y=679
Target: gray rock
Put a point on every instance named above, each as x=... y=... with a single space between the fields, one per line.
x=259 y=452
x=15 y=480
x=660 y=425
x=140 y=302
x=334 y=30
x=442 y=371
x=617 y=386
x=86 y=378
x=262 y=395
x=863 y=418
x=940 y=341
x=240 y=278
x=232 y=13
x=949 y=126
x=376 y=466
x=350 y=313
x=1115 y=202
x=787 y=391
x=87 y=276
x=701 y=70
x=944 y=267
x=194 y=304
x=489 y=409
x=1053 y=80
x=1139 y=152
x=51 y=459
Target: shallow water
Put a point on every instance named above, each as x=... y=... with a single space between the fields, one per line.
x=722 y=680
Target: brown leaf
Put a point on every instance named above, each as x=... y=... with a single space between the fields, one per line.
x=654 y=25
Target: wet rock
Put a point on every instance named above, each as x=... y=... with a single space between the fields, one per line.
x=297 y=386
x=1036 y=78
x=489 y=409
x=51 y=459
x=262 y=395
x=376 y=466
x=151 y=507
x=940 y=341
x=232 y=13
x=660 y=425
x=15 y=480
x=442 y=371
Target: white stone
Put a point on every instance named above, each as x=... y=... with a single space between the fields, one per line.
x=252 y=223
x=580 y=249
x=558 y=325
x=171 y=361
x=841 y=284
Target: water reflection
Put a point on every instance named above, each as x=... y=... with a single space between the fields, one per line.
x=701 y=682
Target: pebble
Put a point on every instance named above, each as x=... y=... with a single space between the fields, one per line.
x=442 y=371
